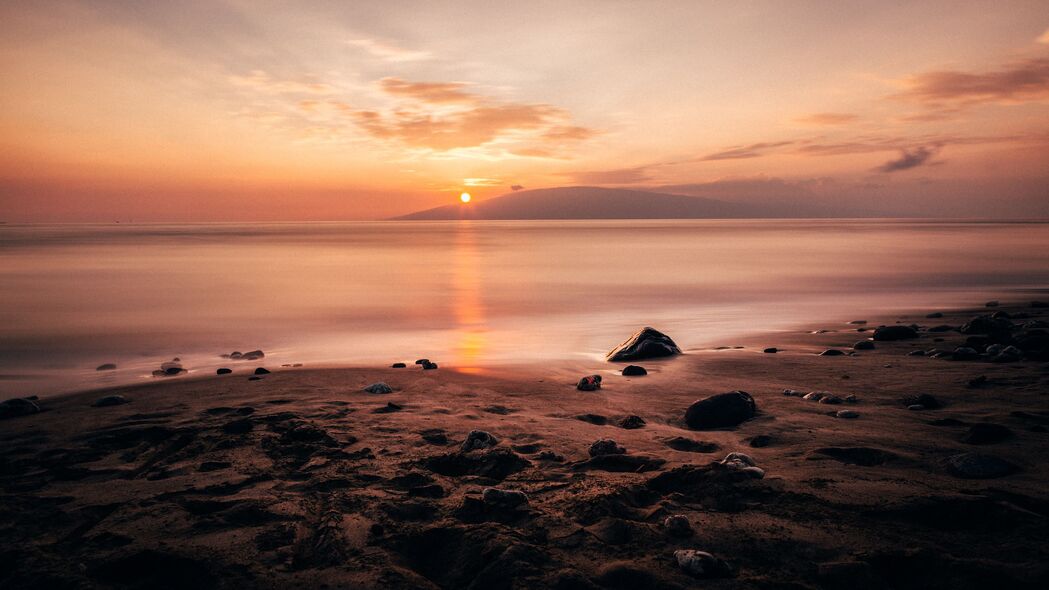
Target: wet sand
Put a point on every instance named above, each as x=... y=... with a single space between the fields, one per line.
x=301 y=479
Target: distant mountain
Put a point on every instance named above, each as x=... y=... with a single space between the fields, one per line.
x=589 y=202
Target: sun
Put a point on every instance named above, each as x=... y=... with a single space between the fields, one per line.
x=465 y=197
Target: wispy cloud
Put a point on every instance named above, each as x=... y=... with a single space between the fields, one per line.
x=432 y=92
x=828 y=118
x=1022 y=81
x=908 y=159
x=260 y=81
x=634 y=175
x=753 y=150
x=390 y=51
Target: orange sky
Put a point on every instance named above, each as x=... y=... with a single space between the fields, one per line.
x=245 y=110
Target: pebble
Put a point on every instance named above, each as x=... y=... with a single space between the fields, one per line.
x=398 y=366
x=379 y=387
x=832 y=352
x=761 y=440
x=678 y=525
x=743 y=463
x=504 y=498
x=863 y=345
x=632 y=422
x=589 y=383
x=830 y=399
x=719 y=411
x=886 y=333
x=106 y=367
x=634 y=371
x=606 y=446
x=847 y=414
x=701 y=564
x=223 y=371
x=916 y=407
x=979 y=466
x=422 y=361
x=262 y=371
x=771 y=350
x=429 y=366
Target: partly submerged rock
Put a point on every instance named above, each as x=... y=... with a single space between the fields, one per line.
x=262 y=371
x=634 y=371
x=398 y=366
x=18 y=406
x=887 y=333
x=720 y=411
x=110 y=400
x=379 y=387
x=645 y=344
x=224 y=371
x=106 y=367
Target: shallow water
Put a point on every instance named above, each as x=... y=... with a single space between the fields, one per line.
x=464 y=294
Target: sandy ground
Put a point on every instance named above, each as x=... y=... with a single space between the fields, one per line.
x=300 y=479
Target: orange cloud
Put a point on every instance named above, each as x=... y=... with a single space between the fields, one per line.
x=1022 y=81
x=432 y=92
x=389 y=51
x=753 y=150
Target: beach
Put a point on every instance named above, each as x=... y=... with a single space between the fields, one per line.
x=298 y=477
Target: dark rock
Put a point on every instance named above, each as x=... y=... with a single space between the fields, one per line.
x=493 y=463
x=18 y=406
x=254 y=378
x=847 y=414
x=595 y=419
x=106 y=367
x=173 y=370
x=916 y=353
x=589 y=383
x=964 y=353
x=832 y=352
x=720 y=411
x=979 y=466
x=379 y=387
x=223 y=371
x=478 y=439
x=941 y=328
x=986 y=433
x=389 y=408
x=864 y=456
x=429 y=366
x=398 y=366
x=700 y=564
x=646 y=343
x=242 y=426
x=261 y=371
x=632 y=422
x=550 y=456
x=987 y=325
x=505 y=499
x=110 y=400
x=678 y=525
x=434 y=437
x=761 y=440
x=620 y=463
x=934 y=315
x=991 y=304
x=432 y=490
x=606 y=446
x=236 y=355
x=863 y=345
x=771 y=350
x=888 y=333
x=688 y=445
x=634 y=371
x=925 y=400
x=254 y=355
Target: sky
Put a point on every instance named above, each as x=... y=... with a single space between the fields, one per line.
x=227 y=110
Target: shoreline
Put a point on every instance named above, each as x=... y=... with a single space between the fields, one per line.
x=300 y=478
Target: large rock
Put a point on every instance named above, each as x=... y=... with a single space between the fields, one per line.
x=719 y=411
x=701 y=564
x=645 y=344
x=979 y=466
x=18 y=406
x=886 y=333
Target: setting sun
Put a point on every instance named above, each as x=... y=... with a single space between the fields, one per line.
x=465 y=197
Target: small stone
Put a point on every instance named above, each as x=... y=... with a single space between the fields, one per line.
x=743 y=463
x=589 y=383
x=223 y=371
x=792 y=393
x=916 y=353
x=814 y=396
x=678 y=525
x=719 y=411
x=991 y=304
x=847 y=414
x=925 y=400
x=934 y=315
x=888 y=333
x=771 y=350
x=429 y=366
x=632 y=422
x=550 y=456
x=701 y=564
x=478 y=439
x=398 y=366
x=832 y=352
x=851 y=399
x=916 y=407
x=760 y=441
x=389 y=408
x=634 y=371
x=254 y=378
x=110 y=400
x=500 y=498
x=858 y=322
x=863 y=345
x=422 y=361
x=830 y=399
x=606 y=446
x=261 y=371
x=379 y=387
x=106 y=367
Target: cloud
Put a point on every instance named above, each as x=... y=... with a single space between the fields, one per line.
x=1044 y=39
x=753 y=150
x=389 y=51
x=568 y=132
x=431 y=92
x=516 y=187
x=619 y=176
x=481 y=182
x=828 y=118
x=909 y=159
x=1022 y=81
x=261 y=81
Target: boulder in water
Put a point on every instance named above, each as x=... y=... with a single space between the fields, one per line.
x=645 y=344
x=720 y=411
x=634 y=371
x=887 y=333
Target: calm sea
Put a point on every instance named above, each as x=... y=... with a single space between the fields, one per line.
x=464 y=294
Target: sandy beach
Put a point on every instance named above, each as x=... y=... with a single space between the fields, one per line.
x=300 y=478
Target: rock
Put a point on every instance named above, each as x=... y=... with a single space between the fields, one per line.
x=398 y=366
x=431 y=490
x=170 y=366
x=916 y=407
x=792 y=393
x=606 y=446
x=701 y=564
x=1005 y=354
x=916 y=353
x=851 y=398
x=678 y=525
x=941 y=328
x=500 y=498
x=645 y=344
x=863 y=456
x=744 y=464
x=18 y=406
x=720 y=411
x=934 y=315
x=241 y=426
x=223 y=371
x=110 y=400
x=236 y=355
x=979 y=466
x=771 y=350
x=987 y=325
x=847 y=414
x=634 y=371
x=379 y=387
x=991 y=304
x=761 y=440
x=863 y=345
x=253 y=355
x=429 y=366
x=106 y=367
x=254 y=378
x=858 y=323
x=814 y=396
x=589 y=383
x=435 y=437
x=389 y=408
x=887 y=333
x=964 y=353
x=924 y=400
x=261 y=371
x=422 y=361
x=830 y=399
x=832 y=352
x=688 y=445
x=595 y=419
x=478 y=439
x=985 y=433
x=632 y=422
x=550 y=456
